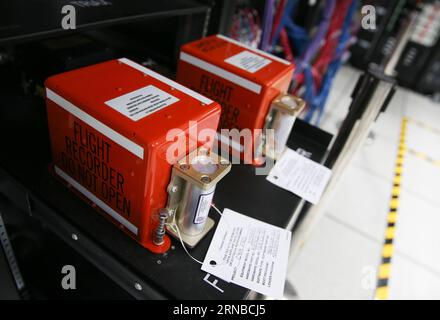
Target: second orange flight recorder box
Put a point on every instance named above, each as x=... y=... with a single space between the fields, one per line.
x=244 y=80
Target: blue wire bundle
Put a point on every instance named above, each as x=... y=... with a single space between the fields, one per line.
x=308 y=48
x=317 y=102
x=297 y=34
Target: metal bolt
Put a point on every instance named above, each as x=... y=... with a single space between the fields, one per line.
x=137 y=286
x=160 y=230
x=224 y=163
x=74 y=237
x=174 y=189
x=205 y=179
x=184 y=166
x=159 y=262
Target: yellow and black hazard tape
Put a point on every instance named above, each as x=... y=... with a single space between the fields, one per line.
x=388 y=246
x=425 y=157
x=425 y=126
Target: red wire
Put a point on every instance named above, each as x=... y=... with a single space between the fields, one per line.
x=332 y=37
x=285 y=43
x=277 y=19
x=326 y=53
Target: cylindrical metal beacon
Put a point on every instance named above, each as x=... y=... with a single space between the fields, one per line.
x=196 y=201
x=281 y=116
x=191 y=191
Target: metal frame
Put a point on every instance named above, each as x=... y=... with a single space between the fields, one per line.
x=372 y=94
x=10 y=276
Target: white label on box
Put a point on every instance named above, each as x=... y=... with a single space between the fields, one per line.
x=203 y=208
x=248 y=61
x=250 y=253
x=142 y=102
x=300 y=175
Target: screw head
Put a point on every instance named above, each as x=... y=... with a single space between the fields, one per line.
x=224 y=163
x=205 y=179
x=74 y=237
x=137 y=286
x=184 y=166
x=174 y=189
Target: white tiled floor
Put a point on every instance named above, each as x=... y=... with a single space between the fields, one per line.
x=341 y=258
x=323 y=272
x=362 y=205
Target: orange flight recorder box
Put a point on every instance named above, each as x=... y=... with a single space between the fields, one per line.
x=242 y=79
x=110 y=128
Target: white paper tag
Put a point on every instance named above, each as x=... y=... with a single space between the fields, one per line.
x=248 y=61
x=304 y=177
x=142 y=102
x=250 y=253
